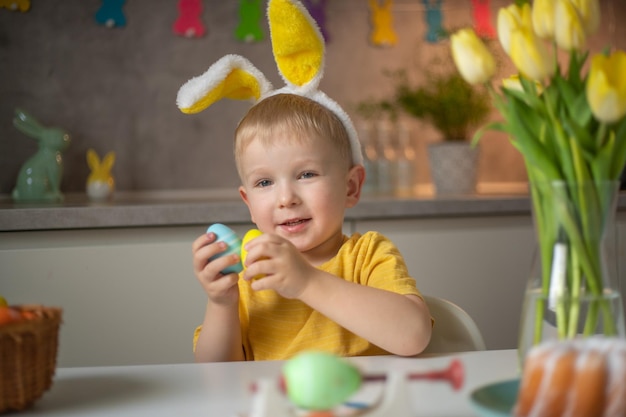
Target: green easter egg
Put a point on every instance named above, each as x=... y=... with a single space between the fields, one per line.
x=320 y=380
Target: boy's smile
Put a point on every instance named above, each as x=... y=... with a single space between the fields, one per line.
x=295 y=225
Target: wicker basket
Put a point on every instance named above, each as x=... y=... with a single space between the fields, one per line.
x=28 y=352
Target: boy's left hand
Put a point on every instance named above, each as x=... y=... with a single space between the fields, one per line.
x=286 y=270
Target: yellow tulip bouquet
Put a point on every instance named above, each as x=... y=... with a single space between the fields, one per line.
x=569 y=125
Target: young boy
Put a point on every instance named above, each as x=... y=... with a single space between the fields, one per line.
x=319 y=289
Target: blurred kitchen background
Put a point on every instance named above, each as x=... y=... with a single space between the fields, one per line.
x=114 y=89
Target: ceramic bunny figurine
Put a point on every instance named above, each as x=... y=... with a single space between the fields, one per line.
x=39 y=178
x=100 y=182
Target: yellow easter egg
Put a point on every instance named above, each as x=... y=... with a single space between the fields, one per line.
x=250 y=234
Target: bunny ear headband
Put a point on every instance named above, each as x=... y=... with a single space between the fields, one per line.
x=298 y=48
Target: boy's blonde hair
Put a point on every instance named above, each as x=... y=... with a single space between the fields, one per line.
x=305 y=118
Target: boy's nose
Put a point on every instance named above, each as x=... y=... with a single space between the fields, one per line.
x=288 y=197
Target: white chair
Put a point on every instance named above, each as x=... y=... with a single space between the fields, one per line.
x=454 y=330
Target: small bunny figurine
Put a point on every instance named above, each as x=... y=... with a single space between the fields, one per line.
x=40 y=176
x=100 y=182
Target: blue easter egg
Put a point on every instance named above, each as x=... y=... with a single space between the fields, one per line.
x=227 y=235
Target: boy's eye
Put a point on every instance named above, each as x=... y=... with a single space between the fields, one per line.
x=307 y=174
x=263 y=183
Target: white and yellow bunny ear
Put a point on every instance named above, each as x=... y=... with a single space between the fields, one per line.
x=232 y=77
x=298 y=47
x=297 y=43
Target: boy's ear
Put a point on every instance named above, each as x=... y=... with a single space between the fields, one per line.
x=356 y=178
x=244 y=197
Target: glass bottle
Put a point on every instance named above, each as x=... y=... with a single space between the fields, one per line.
x=405 y=162
x=386 y=162
x=370 y=156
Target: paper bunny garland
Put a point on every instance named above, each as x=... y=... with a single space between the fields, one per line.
x=110 y=13
x=383 y=33
x=21 y=5
x=434 y=19
x=188 y=22
x=298 y=48
x=482 y=19
x=249 y=28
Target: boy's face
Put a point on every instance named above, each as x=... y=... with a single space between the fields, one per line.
x=299 y=190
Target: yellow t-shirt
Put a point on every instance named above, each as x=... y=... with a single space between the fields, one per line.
x=274 y=328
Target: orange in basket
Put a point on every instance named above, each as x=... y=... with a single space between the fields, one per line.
x=28 y=353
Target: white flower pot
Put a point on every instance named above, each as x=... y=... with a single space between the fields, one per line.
x=453 y=167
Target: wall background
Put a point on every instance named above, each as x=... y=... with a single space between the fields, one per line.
x=115 y=89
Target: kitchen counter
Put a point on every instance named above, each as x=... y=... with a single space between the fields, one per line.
x=181 y=208
x=82 y=255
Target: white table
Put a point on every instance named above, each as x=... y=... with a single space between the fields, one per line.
x=222 y=389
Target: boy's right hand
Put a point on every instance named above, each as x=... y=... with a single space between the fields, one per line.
x=221 y=289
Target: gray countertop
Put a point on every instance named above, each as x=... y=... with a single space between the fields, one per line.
x=225 y=206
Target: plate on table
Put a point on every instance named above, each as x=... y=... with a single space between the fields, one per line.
x=495 y=400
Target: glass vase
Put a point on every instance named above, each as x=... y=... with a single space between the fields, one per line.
x=573 y=288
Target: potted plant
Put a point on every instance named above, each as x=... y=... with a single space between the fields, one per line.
x=454 y=108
